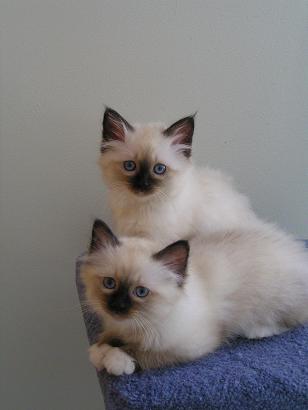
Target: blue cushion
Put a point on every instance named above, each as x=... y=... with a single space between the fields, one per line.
x=271 y=373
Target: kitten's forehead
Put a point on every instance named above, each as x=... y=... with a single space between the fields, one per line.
x=135 y=263
x=130 y=262
x=130 y=255
x=135 y=258
x=144 y=143
x=146 y=140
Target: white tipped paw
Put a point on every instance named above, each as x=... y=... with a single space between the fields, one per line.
x=259 y=332
x=113 y=359
x=118 y=362
x=97 y=354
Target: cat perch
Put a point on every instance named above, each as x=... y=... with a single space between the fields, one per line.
x=271 y=373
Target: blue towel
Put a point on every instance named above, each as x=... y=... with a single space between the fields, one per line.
x=265 y=374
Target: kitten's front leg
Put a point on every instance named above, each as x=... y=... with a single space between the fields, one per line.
x=118 y=362
x=97 y=352
x=106 y=356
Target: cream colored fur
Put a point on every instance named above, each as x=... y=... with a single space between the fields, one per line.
x=190 y=200
x=251 y=282
x=245 y=277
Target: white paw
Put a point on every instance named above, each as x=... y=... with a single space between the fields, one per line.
x=259 y=332
x=118 y=362
x=97 y=354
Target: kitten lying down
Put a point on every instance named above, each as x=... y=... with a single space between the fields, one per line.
x=173 y=305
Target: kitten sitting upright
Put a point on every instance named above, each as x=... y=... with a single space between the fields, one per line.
x=154 y=189
x=179 y=303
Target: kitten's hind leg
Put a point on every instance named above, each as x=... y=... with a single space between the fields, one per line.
x=266 y=330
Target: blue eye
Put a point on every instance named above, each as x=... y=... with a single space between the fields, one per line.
x=109 y=283
x=141 y=291
x=129 y=165
x=159 y=169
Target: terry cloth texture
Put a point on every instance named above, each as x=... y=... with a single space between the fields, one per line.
x=267 y=374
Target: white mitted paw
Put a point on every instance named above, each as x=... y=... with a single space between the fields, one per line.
x=97 y=354
x=259 y=332
x=113 y=359
x=118 y=362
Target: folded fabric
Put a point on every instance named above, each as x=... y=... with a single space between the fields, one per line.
x=271 y=374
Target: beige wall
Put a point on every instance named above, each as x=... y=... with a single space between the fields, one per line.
x=241 y=64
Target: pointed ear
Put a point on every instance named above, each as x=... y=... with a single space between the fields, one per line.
x=175 y=257
x=114 y=126
x=182 y=133
x=102 y=236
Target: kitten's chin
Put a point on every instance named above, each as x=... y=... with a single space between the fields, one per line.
x=132 y=193
x=143 y=194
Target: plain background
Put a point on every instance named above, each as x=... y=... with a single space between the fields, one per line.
x=241 y=64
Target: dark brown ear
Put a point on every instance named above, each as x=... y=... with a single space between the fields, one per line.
x=114 y=126
x=102 y=236
x=182 y=133
x=175 y=257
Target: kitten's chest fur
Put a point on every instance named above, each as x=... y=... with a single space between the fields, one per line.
x=203 y=202
x=163 y=222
